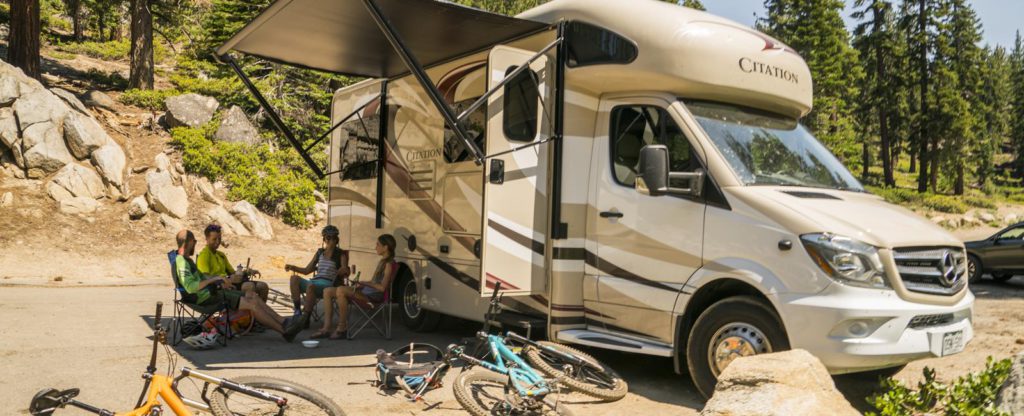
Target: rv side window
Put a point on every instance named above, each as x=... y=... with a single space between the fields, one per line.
x=454 y=150
x=520 y=106
x=632 y=128
x=592 y=45
x=358 y=152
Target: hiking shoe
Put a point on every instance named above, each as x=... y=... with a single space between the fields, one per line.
x=292 y=327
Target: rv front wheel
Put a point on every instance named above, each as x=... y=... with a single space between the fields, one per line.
x=731 y=328
x=413 y=315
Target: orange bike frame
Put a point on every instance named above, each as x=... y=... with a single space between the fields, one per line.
x=160 y=386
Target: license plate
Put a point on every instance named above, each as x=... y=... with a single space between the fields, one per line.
x=952 y=342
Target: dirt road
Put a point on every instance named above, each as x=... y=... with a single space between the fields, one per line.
x=95 y=338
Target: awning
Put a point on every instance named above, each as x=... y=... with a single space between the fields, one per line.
x=340 y=36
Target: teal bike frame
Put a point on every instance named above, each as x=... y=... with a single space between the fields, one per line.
x=526 y=381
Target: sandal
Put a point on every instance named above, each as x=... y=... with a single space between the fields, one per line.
x=319 y=334
x=343 y=334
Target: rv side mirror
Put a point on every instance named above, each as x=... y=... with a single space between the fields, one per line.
x=652 y=175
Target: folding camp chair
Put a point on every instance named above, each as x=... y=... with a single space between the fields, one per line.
x=186 y=308
x=368 y=311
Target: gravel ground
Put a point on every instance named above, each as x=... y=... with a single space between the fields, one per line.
x=96 y=338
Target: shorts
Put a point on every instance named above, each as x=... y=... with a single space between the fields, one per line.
x=372 y=294
x=318 y=285
x=232 y=297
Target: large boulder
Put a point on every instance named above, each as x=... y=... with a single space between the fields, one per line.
x=10 y=135
x=98 y=99
x=39 y=106
x=206 y=190
x=218 y=215
x=779 y=384
x=170 y=224
x=138 y=208
x=78 y=205
x=253 y=220
x=74 y=180
x=70 y=99
x=9 y=87
x=45 y=150
x=1010 y=398
x=110 y=161
x=192 y=110
x=84 y=135
x=236 y=127
x=164 y=196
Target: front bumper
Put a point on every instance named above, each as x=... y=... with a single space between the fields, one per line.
x=852 y=329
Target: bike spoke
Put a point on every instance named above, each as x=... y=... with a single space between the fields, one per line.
x=244 y=405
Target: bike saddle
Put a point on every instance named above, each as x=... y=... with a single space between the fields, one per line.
x=48 y=400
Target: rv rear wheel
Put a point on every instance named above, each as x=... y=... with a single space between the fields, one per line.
x=413 y=315
x=729 y=329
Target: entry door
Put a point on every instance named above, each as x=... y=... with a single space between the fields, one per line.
x=647 y=246
x=515 y=184
x=1007 y=252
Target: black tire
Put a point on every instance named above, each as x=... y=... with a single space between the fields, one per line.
x=302 y=400
x=479 y=391
x=974 y=269
x=1002 y=277
x=741 y=316
x=604 y=384
x=413 y=315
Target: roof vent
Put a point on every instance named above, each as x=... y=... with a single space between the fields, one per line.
x=811 y=195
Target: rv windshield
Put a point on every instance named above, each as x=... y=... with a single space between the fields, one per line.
x=765 y=149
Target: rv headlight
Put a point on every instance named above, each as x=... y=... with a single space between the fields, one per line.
x=846 y=260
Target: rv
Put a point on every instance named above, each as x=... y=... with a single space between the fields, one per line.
x=633 y=174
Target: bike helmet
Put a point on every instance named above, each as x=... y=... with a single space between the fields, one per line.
x=203 y=341
x=191 y=327
x=330 y=231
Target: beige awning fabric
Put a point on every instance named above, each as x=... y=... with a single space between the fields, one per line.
x=340 y=36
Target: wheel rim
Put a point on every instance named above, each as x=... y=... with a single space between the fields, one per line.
x=411 y=299
x=735 y=340
x=972 y=268
x=583 y=374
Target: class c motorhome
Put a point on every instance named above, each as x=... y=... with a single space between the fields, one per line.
x=633 y=173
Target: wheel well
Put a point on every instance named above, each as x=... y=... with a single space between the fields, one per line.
x=403 y=272
x=703 y=299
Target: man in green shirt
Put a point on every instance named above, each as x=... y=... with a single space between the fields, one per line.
x=196 y=283
x=212 y=262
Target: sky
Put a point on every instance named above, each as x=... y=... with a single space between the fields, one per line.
x=1000 y=19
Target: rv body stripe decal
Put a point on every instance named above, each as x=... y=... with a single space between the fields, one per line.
x=453 y=272
x=569 y=253
x=534 y=245
x=492 y=280
x=568 y=320
x=616 y=271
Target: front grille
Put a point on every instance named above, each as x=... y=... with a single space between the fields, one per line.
x=932 y=270
x=925 y=321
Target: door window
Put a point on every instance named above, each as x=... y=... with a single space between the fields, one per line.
x=520 y=106
x=1014 y=234
x=633 y=127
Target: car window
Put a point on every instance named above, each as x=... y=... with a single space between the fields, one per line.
x=634 y=127
x=1014 y=234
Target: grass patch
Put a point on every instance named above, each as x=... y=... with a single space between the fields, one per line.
x=148 y=99
x=943 y=203
x=115 y=50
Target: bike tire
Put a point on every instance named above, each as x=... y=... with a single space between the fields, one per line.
x=220 y=403
x=615 y=387
x=464 y=394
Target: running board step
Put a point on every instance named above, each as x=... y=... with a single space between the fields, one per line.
x=613 y=342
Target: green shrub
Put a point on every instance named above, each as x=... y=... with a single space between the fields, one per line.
x=149 y=99
x=973 y=394
x=112 y=51
x=944 y=203
x=5 y=13
x=271 y=180
x=980 y=202
x=902 y=196
x=107 y=79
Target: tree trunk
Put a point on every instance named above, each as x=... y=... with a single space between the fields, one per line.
x=866 y=157
x=75 y=10
x=883 y=121
x=141 y=72
x=958 y=187
x=101 y=26
x=23 y=49
x=933 y=174
x=913 y=159
x=924 y=156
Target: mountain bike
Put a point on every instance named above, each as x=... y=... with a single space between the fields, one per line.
x=240 y=396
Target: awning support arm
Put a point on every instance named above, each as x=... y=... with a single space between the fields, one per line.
x=230 y=60
x=417 y=70
x=508 y=78
x=338 y=124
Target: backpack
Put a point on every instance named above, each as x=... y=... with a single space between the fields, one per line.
x=400 y=369
x=241 y=322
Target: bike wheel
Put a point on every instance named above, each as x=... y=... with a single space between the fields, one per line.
x=485 y=393
x=604 y=384
x=302 y=400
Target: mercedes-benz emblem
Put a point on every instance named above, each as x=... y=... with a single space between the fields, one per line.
x=947 y=269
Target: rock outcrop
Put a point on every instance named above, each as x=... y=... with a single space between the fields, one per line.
x=78 y=205
x=84 y=135
x=780 y=384
x=236 y=127
x=98 y=99
x=70 y=99
x=111 y=162
x=164 y=196
x=74 y=180
x=1010 y=398
x=253 y=220
x=192 y=110
x=138 y=208
x=218 y=215
x=45 y=151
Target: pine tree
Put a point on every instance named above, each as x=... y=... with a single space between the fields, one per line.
x=23 y=49
x=140 y=74
x=996 y=99
x=965 y=62
x=693 y=4
x=816 y=30
x=1017 y=117
x=877 y=41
